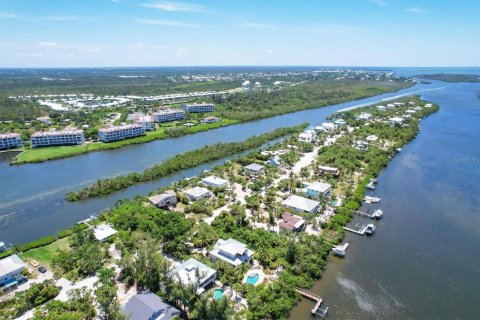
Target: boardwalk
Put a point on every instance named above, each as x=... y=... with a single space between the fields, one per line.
x=313 y=297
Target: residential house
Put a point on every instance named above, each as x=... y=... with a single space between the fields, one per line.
x=193 y=272
x=11 y=269
x=103 y=231
x=231 y=251
x=328 y=126
x=215 y=182
x=254 y=169
x=324 y=170
x=301 y=204
x=316 y=189
x=291 y=222
x=198 y=193
x=163 y=200
x=210 y=119
x=149 y=306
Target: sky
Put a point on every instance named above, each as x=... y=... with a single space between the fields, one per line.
x=109 y=33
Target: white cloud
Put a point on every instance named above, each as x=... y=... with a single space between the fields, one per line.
x=8 y=15
x=48 y=44
x=61 y=18
x=175 y=6
x=381 y=3
x=416 y=10
x=167 y=23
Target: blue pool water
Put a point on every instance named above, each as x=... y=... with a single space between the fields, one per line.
x=253 y=278
x=218 y=294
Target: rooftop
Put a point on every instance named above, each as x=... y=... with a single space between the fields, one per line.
x=214 y=180
x=254 y=167
x=160 y=197
x=143 y=306
x=55 y=133
x=11 y=264
x=193 y=271
x=301 y=203
x=197 y=191
x=103 y=232
x=319 y=186
x=291 y=222
x=122 y=127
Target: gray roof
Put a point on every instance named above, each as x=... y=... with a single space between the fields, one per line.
x=144 y=306
x=254 y=167
x=11 y=264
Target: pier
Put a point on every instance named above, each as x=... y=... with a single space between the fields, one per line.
x=377 y=214
x=359 y=231
x=316 y=309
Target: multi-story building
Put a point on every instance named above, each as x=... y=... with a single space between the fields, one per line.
x=120 y=132
x=199 y=107
x=168 y=115
x=57 y=138
x=10 y=140
x=146 y=122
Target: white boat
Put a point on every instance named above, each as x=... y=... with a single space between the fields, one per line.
x=373 y=181
x=398 y=149
x=370 y=229
x=377 y=214
x=370 y=186
x=369 y=199
x=340 y=250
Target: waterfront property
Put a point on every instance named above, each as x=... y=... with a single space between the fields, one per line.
x=328 y=126
x=102 y=232
x=395 y=121
x=146 y=122
x=339 y=123
x=324 y=170
x=291 y=222
x=210 y=119
x=120 y=132
x=231 y=251
x=163 y=200
x=301 y=204
x=198 y=193
x=364 y=116
x=215 y=182
x=57 y=138
x=149 y=306
x=193 y=272
x=168 y=115
x=11 y=269
x=199 y=107
x=316 y=189
x=254 y=169
x=10 y=140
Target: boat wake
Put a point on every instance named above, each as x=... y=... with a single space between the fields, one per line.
x=382 y=305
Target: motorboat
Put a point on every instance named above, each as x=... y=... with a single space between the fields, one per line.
x=370 y=199
x=377 y=214
x=370 y=229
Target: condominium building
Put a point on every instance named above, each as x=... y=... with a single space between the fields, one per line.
x=57 y=138
x=120 y=132
x=10 y=140
x=146 y=122
x=168 y=115
x=199 y=107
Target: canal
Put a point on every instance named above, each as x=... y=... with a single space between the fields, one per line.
x=422 y=262
x=32 y=195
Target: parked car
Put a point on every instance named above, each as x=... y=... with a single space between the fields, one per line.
x=42 y=269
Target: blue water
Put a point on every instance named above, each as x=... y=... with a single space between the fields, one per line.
x=253 y=278
x=218 y=294
x=33 y=205
x=423 y=261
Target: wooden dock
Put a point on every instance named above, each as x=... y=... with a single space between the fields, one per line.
x=314 y=297
x=360 y=232
x=363 y=214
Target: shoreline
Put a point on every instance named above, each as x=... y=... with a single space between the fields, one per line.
x=71 y=151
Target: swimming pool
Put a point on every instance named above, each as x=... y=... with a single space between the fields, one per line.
x=253 y=278
x=218 y=294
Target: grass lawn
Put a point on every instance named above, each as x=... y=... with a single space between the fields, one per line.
x=44 y=255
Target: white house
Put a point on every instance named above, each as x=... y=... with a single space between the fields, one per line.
x=231 y=251
x=361 y=145
x=307 y=136
x=317 y=188
x=381 y=108
x=11 y=268
x=198 y=193
x=254 y=169
x=364 y=116
x=329 y=126
x=103 y=232
x=215 y=182
x=371 y=138
x=163 y=200
x=395 y=121
x=301 y=204
x=339 y=123
x=193 y=272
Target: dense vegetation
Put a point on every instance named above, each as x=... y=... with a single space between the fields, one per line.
x=452 y=77
x=23 y=301
x=179 y=162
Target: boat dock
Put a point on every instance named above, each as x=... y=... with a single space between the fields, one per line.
x=316 y=309
x=377 y=214
x=359 y=230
